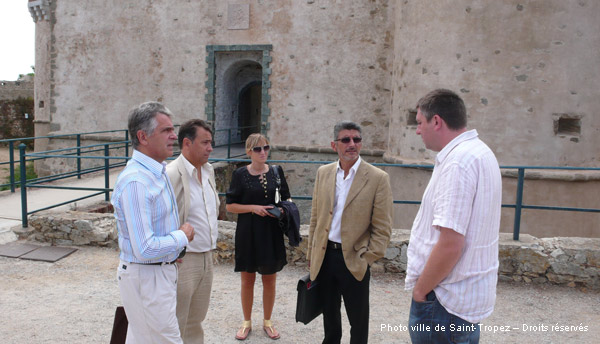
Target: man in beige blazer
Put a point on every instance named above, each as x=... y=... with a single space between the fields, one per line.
x=197 y=198
x=350 y=228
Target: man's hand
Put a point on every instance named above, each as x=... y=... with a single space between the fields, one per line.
x=418 y=296
x=188 y=230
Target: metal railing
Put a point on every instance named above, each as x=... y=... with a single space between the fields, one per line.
x=518 y=206
x=237 y=131
x=13 y=182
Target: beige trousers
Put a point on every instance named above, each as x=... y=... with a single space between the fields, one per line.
x=193 y=294
x=148 y=293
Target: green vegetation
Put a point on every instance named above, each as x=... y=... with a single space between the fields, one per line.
x=29 y=174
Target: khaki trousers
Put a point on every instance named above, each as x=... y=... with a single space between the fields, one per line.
x=148 y=293
x=193 y=294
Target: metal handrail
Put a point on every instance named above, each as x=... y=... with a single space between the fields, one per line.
x=229 y=142
x=518 y=206
x=13 y=183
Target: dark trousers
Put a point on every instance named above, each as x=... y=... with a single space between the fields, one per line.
x=336 y=281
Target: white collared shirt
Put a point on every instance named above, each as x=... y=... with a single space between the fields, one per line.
x=342 y=187
x=203 y=212
x=465 y=195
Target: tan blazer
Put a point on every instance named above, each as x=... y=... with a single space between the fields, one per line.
x=181 y=185
x=366 y=222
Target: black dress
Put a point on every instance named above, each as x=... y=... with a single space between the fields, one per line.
x=259 y=243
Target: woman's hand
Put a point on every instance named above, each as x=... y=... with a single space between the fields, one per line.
x=261 y=210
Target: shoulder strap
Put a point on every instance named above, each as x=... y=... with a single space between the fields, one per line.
x=276 y=173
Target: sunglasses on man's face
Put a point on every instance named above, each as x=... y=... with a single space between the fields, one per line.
x=257 y=149
x=356 y=139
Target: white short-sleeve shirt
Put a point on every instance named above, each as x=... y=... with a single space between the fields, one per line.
x=465 y=195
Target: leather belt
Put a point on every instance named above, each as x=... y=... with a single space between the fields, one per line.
x=334 y=245
x=157 y=263
x=181 y=254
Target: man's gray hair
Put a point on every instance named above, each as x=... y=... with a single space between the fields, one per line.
x=345 y=125
x=143 y=118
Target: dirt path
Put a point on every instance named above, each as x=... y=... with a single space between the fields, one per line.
x=73 y=301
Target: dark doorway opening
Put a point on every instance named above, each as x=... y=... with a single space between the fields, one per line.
x=250 y=109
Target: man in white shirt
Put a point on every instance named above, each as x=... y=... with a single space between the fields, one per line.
x=350 y=228
x=453 y=250
x=195 y=190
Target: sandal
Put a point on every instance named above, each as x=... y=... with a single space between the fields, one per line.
x=269 y=330
x=244 y=331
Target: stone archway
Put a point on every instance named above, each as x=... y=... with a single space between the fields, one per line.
x=237 y=91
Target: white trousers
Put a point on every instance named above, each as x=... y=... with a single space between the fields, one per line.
x=149 y=296
x=193 y=294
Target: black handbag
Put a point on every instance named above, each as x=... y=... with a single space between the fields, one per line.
x=309 y=304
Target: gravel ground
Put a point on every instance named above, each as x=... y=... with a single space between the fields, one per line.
x=73 y=301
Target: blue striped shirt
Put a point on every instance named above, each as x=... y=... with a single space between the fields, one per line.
x=146 y=213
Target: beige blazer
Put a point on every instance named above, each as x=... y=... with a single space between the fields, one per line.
x=181 y=185
x=366 y=221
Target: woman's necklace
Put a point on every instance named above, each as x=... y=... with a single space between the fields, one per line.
x=262 y=177
x=256 y=173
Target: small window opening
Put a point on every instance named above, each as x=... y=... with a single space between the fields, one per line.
x=411 y=117
x=567 y=125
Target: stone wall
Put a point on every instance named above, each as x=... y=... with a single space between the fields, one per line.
x=22 y=88
x=507 y=60
x=529 y=96
x=574 y=262
x=71 y=228
x=328 y=57
x=16 y=108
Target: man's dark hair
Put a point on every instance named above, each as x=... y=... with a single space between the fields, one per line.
x=188 y=130
x=446 y=104
x=143 y=118
x=345 y=125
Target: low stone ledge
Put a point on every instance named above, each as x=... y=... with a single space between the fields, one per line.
x=574 y=262
x=71 y=228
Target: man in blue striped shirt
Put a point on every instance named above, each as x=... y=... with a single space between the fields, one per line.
x=150 y=236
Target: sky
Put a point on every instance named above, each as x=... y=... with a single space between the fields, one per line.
x=17 y=39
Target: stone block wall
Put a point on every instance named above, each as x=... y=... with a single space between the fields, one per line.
x=16 y=109
x=71 y=228
x=22 y=88
x=574 y=262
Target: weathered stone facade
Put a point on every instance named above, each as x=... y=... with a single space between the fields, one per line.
x=527 y=71
x=16 y=108
x=368 y=61
x=566 y=261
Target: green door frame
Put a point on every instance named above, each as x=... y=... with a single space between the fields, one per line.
x=266 y=84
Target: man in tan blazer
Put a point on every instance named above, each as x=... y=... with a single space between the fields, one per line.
x=197 y=198
x=350 y=228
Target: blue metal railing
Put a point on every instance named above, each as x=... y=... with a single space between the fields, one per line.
x=518 y=206
x=13 y=183
x=237 y=131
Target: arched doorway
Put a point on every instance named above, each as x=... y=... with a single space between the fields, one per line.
x=238 y=80
x=237 y=91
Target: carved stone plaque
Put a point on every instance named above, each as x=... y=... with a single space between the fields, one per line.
x=238 y=16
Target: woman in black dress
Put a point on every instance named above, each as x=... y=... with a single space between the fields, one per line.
x=259 y=243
